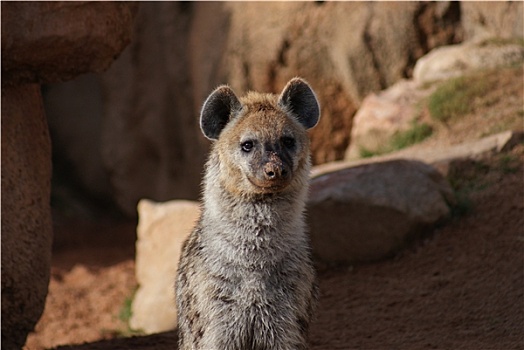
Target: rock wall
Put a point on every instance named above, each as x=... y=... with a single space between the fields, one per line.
x=41 y=42
x=151 y=142
x=151 y=145
x=503 y=19
x=345 y=50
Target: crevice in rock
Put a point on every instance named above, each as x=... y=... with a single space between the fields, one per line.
x=368 y=42
x=274 y=66
x=434 y=29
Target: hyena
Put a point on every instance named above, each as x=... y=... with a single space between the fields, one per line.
x=245 y=278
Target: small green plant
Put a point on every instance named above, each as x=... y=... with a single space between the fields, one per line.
x=125 y=315
x=508 y=164
x=497 y=41
x=456 y=97
x=126 y=312
x=463 y=204
x=415 y=134
x=366 y=153
x=401 y=139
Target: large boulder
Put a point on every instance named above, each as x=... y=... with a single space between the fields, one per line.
x=369 y=212
x=41 y=42
x=56 y=41
x=26 y=214
x=162 y=229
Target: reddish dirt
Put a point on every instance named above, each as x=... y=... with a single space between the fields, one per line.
x=460 y=288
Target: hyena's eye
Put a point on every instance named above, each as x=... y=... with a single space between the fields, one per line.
x=288 y=142
x=247 y=146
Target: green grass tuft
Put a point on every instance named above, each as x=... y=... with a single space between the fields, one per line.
x=417 y=133
x=126 y=312
x=497 y=41
x=124 y=316
x=457 y=97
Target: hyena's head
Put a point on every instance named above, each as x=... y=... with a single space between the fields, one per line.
x=261 y=143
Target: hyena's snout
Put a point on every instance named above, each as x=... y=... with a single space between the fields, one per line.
x=275 y=171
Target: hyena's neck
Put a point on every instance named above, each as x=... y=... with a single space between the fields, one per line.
x=279 y=214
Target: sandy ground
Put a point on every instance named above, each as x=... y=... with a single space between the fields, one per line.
x=459 y=288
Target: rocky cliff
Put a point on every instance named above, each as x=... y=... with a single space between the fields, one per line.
x=150 y=145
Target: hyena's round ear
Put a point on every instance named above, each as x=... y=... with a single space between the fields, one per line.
x=298 y=97
x=217 y=111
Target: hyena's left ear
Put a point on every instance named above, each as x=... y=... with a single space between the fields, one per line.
x=298 y=97
x=218 y=109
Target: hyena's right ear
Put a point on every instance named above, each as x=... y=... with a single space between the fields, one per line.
x=217 y=111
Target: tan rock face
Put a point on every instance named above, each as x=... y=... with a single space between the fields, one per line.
x=162 y=229
x=26 y=214
x=152 y=145
x=369 y=212
x=56 y=41
x=345 y=50
x=502 y=19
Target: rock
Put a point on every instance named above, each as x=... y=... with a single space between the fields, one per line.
x=492 y=19
x=162 y=228
x=456 y=60
x=384 y=114
x=56 y=41
x=26 y=214
x=158 y=341
x=369 y=212
x=152 y=145
x=358 y=48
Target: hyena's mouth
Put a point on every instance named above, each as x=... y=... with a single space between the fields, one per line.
x=265 y=186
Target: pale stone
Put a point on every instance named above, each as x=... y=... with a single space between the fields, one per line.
x=452 y=61
x=161 y=231
x=384 y=114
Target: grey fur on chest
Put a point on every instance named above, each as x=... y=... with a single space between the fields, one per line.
x=249 y=279
x=253 y=234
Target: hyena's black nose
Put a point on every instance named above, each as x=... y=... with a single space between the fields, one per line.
x=275 y=171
